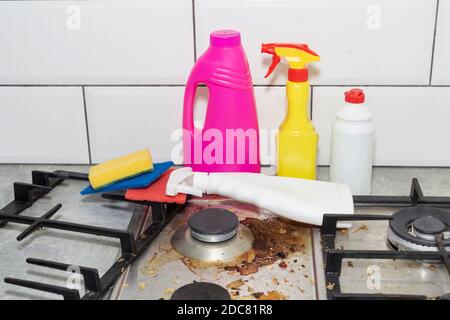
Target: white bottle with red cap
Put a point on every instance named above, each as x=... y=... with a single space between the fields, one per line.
x=352 y=144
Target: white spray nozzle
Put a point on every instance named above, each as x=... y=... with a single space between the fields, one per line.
x=180 y=181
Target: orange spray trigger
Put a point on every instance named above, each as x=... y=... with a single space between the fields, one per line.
x=270 y=49
x=275 y=61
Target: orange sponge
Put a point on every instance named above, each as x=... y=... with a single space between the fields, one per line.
x=156 y=192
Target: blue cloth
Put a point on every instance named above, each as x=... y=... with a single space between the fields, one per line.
x=140 y=181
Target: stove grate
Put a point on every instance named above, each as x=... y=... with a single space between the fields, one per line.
x=131 y=245
x=333 y=257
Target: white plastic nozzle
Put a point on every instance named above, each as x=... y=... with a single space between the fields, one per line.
x=181 y=181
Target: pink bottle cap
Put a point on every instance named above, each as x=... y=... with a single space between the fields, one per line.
x=225 y=38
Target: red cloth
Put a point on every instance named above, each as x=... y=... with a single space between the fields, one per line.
x=156 y=192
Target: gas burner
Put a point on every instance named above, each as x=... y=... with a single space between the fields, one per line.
x=213 y=225
x=201 y=291
x=213 y=235
x=417 y=228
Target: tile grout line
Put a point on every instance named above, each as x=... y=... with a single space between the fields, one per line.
x=87 y=125
x=194 y=31
x=434 y=41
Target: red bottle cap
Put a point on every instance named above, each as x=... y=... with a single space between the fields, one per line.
x=355 y=96
x=298 y=75
x=225 y=38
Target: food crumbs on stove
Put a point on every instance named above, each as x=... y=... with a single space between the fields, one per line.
x=312 y=280
x=250 y=289
x=283 y=265
x=169 y=290
x=343 y=231
x=432 y=267
x=271 y=245
x=273 y=295
x=306 y=276
x=292 y=271
x=248 y=269
x=258 y=295
x=295 y=260
x=275 y=281
x=363 y=227
x=303 y=266
x=350 y=264
x=235 y=284
x=251 y=256
x=141 y=286
x=330 y=286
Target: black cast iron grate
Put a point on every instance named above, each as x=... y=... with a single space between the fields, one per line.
x=132 y=245
x=333 y=257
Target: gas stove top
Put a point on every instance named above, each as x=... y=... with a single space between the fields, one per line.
x=218 y=248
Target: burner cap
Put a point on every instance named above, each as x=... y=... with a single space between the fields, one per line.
x=201 y=291
x=445 y=296
x=415 y=228
x=429 y=225
x=213 y=225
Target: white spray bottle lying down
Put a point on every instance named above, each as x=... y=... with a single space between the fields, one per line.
x=296 y=199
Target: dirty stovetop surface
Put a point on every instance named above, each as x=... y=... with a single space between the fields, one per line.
x=292 y=272
x=293 y=269
x=281 y=265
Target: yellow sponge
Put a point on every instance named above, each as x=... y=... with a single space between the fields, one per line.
x=120 y=168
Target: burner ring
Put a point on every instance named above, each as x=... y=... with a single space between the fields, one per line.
x=201 y=291
x=213 y=225
x=420 y=225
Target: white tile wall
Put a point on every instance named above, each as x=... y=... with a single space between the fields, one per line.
x=441 y=68
x=354 y=47
x=43 y=125
x=133 y=59
x=411 y=124
x=117 y=42
x=125 y=119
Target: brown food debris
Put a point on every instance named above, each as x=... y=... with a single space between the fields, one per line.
x=343 y=231
x=247 y=269
x=272 y=295
x=141 y=286
x=270 y=245
x=251 y=256
x=275 y=281
x=235 y=284
x=258 y=295
x=432 y=267
x=350 y=264
x=283 y=265
x=330 y=286
x=363 y=227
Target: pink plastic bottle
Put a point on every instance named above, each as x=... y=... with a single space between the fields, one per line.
x=229 y=140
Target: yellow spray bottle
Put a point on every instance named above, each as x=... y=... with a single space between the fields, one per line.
x=297 y=138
